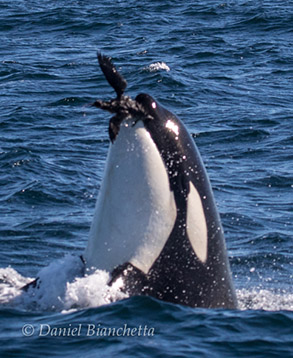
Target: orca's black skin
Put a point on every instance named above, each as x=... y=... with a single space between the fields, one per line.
x=177 y=275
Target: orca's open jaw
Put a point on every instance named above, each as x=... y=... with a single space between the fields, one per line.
x=123 y=108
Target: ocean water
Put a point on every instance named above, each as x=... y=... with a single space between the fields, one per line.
x=226 y=69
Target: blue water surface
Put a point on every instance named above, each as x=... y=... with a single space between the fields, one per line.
x=225 y=69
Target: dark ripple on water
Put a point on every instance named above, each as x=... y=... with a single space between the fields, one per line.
x=230 y=80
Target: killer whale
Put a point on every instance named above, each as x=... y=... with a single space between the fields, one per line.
x=156 y=225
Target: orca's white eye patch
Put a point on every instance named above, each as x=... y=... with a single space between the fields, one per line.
x=196 y=224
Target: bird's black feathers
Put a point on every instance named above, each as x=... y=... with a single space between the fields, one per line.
x=114 y=78
x=123 y=106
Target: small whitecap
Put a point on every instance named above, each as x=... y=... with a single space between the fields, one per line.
x=157 y=66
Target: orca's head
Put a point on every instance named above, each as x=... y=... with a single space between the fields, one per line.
x=148 y=103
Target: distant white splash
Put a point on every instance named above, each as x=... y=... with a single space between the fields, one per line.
x=62 y=288
x=261 y=299
x=157 y=66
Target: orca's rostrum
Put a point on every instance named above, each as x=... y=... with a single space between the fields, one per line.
x=156 y=224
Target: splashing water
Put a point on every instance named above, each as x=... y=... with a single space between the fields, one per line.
x=61 y=288
x=263 y=299
x=157 y=66
x=64 y=288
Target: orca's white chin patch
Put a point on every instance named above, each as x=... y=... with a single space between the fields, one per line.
x=135 y=210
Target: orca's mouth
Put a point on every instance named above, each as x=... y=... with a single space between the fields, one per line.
x=123 y=108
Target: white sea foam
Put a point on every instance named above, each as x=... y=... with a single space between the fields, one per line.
x=263 y=299
x=61 y=287
x=10 y=284
x=64 y=288
x=157 y=66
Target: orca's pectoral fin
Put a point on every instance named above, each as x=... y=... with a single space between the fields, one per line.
x=115 y=79
x=135 y=281
x=33 y=284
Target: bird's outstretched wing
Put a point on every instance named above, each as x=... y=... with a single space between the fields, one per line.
x=114 y=78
